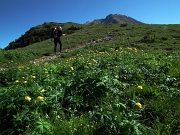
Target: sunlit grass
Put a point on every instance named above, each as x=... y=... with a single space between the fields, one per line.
x=94 y=92
x=115 y=87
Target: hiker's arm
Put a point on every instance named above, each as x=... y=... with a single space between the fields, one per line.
x=61 y=34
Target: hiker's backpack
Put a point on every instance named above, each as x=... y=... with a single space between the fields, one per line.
x=52 y=32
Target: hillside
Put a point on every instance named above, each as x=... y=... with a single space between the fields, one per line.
x=42 y=32
x=110 y=79
x=150 y=38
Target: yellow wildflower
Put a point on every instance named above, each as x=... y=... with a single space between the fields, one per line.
x=25 y=82
x=135 y=49
x=139 y=105
x=27 y=98
x=140 y=87
x=40 y=98
x=17 y=81
x=46 y=72
x=33 y=77
x=72 y=68
x=42 y=91
x=21 y=67
x=101 y=52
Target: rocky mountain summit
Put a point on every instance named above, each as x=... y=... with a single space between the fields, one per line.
x=117 y=18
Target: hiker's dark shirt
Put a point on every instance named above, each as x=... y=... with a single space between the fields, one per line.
x=57 y=34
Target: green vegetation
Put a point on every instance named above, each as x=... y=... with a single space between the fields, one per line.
x=129 y=85
x=41 y=33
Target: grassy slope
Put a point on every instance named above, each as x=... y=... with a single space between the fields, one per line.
x=143 y=36
x=157 y=98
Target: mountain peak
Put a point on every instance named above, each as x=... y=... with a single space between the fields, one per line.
x=117 y=18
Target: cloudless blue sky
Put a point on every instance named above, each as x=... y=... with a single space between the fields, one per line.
x=18 y=16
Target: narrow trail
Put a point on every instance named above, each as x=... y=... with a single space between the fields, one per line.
x=55 y=56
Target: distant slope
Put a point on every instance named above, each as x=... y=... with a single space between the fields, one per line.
x=117 y=18
x=41 y=33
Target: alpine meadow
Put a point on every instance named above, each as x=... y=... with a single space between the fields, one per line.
x=110 y=79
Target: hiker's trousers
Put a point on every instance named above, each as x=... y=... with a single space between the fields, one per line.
x=57 y=40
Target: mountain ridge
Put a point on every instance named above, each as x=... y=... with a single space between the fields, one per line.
x=117 y=19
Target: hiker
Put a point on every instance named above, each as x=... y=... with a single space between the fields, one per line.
x=57 y=34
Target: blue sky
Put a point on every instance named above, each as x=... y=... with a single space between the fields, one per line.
x=18 y=16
